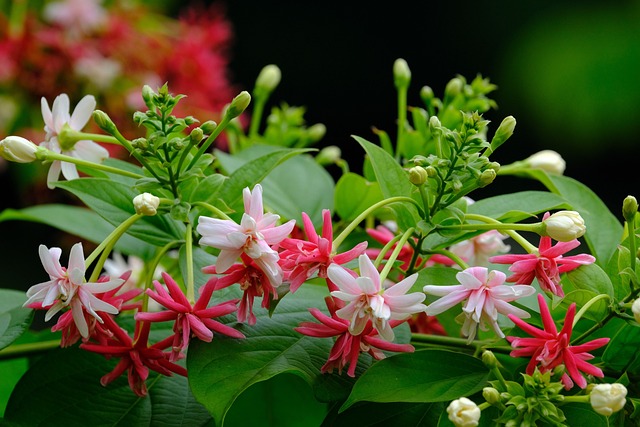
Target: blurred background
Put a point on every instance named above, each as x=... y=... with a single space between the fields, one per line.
x=567 y=71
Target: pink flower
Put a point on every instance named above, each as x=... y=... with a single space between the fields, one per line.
x=368 y=300
x=78 y=16
x=304 y=258
x=548 y=348
x=253 y=282
x=477 y=250
x=67 y=288
x=383 y=235
x=485 y=296
x=136 y=355
x=254 y=236
x=189 y=320
x=347 y=347
x=54 y=121
x=546 y=265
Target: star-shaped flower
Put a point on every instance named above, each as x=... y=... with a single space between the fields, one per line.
x=549 y=348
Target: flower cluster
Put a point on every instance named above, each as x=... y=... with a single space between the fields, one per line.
x=229 y=266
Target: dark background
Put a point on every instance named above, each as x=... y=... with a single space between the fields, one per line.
x=567 y=71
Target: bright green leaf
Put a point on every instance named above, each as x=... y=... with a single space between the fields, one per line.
x=354 y=194
x=591 y=277
x=14 y=319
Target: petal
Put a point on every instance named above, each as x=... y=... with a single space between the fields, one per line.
x=367 y=269
x=50 y=259
x=402 y=286
x=446 y=302
x=343 y=279
x=90 y=151
x=82 y=113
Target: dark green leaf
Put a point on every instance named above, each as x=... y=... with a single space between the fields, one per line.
x=592 y=278
x=14 y=319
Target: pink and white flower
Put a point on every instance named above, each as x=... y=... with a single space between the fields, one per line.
x=484 y=295
x=254 y=236
x=55 y=120
x=368 y=300
x=66 y=288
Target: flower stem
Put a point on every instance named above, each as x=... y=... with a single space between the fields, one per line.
x=15 y=351
x=189 y=255
x=213 y=209
x=207 y=143
x=394 y=254
x=587 y=305
x=338 y=240
x=509 y=229
x=51 y=155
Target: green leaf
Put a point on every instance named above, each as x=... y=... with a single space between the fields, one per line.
x=79 y=221
x=622 y=350
x=515 y=207
x=604 y=230
x=583 y=415
x=222 y=370
x=403 y=378
x=366 y=414
x=394 y=181
x=14 y=319
x=10 y=371
x=114 y=202
x=248 y=173
x=593 y=278
x=66 y=386
x=354 y=194
x=596 y=312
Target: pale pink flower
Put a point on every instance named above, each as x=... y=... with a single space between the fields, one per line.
x=368 y=300
x=477 y=250
x=484 y=296
x=66 y=288
x=254 y=236
x=546 y=265
x=78 y=16
x=549 y=348
x=58 y=117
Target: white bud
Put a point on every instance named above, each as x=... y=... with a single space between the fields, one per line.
x=635 y=308
x=464 y=413
x=547 y=160
x=269 y=78
x=565 y=226
x=18 y=149
x=608 y=398
x=146 y=204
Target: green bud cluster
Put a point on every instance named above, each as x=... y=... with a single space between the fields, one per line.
x=535 y=402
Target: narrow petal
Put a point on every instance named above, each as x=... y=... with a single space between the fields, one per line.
x=82 y=113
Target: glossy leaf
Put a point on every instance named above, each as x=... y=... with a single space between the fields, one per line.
x=354 y=194
x=592 y=278
x=14 y=319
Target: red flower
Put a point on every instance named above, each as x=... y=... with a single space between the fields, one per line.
x=136 y=356
x=546 y=265
x=189 y=320
x=548 y=348
x=301 y=259
x=347 y=347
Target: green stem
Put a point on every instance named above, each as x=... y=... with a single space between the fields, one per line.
x=337 y=241
x=15 y=351
x=396 y=251
x=256 y=116
x=402 y=119
x=576 y=399
x=454 y=257
x=70 y=136
x=213 y=209
x=386 y=248
x=109 y=242
x=524 y=243
x=632 y=246
x=207 y=143
x=587 y=305
x=189 y=254
x=456 y=342
x=51 y=155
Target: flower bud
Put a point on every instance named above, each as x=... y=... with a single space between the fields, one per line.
x=316 y=132
x=635 y=308
x=268 y=79
x=608 y=398
x=464 y=413
x=196 y=135
x=401 y=73
x=491 y=395
x=329 y=155
x=426 y=94
x=487 y=177
x=504 y=132
x=104 y=122
x=238 y=104
x=547 y=160
x=147 y=96
x=418 y=175
x=146 y=204
x=454 y=87
x=208 y=127
x=629 y=208
x=18 y=149
x=564 y=226
x=489 y=359
x=434 y=123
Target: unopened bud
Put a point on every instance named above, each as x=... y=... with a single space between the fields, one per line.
x=547 y=160
x=453 y=87
x=431 y=171
x=487 y=177
x=146 y=204
x=316 y=132
x=328 y=155
x=564 y=226
x=208 y=127
x=196 y=135
x=18 y=149
x=147 y=96
x=635 y=309
x=504 y=132
x=491 y=395
x=268 y=79
x=401 y=73
x=489 y=359
x=608 y=398
x=463 y=412
x=434 y=123
x=418 y=175
x=426 y=94
x=104 y=122
x=238 y=104
x=629 y=208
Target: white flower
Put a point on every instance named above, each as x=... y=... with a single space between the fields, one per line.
x=464 y=413
x=18 y=149
x=67 y=288
x=547 y=160
x=635 y=308
x=565 y=226
x=368 y=300
x=254 y=236
x=146 y=204
x=608 y=398
x=55 y=120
